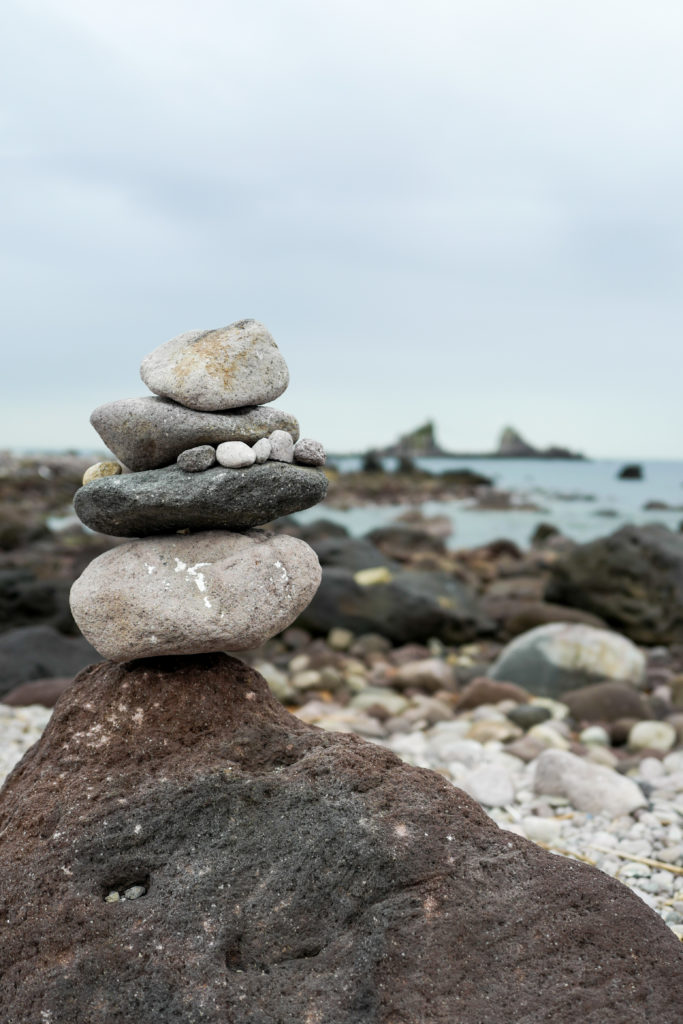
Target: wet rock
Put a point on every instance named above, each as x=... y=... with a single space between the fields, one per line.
x=167 y=500
x=550 y=660
x=411 y=606
x=227 y=368
x=387 y=888
x=147 y=433
x=402 y=541
x=190 y=594
x=633 y=579
x=528 y=715
x=38 y=652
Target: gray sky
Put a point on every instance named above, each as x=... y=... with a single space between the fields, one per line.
x=470 y=211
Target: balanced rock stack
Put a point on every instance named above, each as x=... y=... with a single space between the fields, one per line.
x=208 y=462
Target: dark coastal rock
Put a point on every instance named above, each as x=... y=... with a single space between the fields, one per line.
x=36 y=652
x=39 y=691
x=177 y=847
x=632 y=471
x=550 y=660
x=146 y=433
x=403 y=541
x=26 y=600
x=352 y=553
x=633 y=579
x=166 y=500
x=606 y=702
x=409 y=606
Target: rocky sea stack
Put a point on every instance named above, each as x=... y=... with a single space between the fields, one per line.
x=178 y=847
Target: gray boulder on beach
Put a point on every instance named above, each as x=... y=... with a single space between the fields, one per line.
x=146 y=433
x=213 y=591
x=167 y=500
x=633 y=579
x=226 y=368
x=561 y=656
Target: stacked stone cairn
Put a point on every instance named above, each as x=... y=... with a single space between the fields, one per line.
x=202 y=463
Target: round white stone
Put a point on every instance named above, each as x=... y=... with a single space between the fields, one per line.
x=235 y=455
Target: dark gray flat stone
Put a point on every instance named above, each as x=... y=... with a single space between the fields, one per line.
x=167 y=500
x=146 y=433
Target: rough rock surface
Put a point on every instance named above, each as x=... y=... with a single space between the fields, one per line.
x=197 y=460
x=408 y=606
x=290 y=875
x=146 y=433
x=633 y=579
x=549 y=660
x=211 y=591
x=309 y=452
x=166 y=500
x=226 y=368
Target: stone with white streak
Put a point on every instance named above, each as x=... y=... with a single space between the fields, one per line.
x=227 y=368
x=210 y=591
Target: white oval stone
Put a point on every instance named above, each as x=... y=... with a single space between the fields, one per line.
x=588 y=787
x=652 y=735
x=235 y=455
x=193 y=594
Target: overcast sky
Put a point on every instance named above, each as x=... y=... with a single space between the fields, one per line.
x=467 y=210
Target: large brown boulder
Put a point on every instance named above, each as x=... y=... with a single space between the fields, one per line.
x=633 y=579
x=273 y=872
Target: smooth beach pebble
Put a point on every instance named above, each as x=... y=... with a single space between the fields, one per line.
x=649 y=735
x=235 y=455
x=227 y=368
x=281 y=446
x=261 y=450
x=309 y=452
x=196 y=460
x=101 y=469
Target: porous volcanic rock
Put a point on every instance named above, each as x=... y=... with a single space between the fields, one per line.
x=226 y=368
x=633 y=579
x=167 y=500
x=149 y=432
x=287 y=874
x=192 y=594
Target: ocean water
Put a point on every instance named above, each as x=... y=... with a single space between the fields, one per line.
x=584 y=500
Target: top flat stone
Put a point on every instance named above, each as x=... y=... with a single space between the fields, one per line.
x=226 y=368
x=147 y=433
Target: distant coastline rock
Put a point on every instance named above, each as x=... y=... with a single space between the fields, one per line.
x=513 y=446
x=418 y=443
x=632 y=471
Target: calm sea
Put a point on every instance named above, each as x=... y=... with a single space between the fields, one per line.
x=582 y=499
